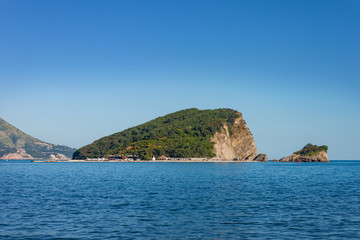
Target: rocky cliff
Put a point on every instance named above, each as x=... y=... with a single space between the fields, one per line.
x=15 y=144
x=234 y=142
x=261 y=158
x=309 y=153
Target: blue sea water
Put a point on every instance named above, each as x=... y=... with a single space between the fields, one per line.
x=180 y=200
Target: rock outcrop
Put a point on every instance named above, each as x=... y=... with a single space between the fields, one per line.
x=19 y=154
x=261 y=158
x=235 y=142
x=310 y=153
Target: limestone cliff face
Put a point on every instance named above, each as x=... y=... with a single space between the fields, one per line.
x=261 y=158
x=234 y=142
x=19 y=154
x=318 y=157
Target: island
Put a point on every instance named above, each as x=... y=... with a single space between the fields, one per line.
x=186 y=135
x=309 y=153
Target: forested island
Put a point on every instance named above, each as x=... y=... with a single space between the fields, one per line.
x=191 y=133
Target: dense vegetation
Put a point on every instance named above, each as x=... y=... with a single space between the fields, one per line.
x=310 y=150
x=184 y=133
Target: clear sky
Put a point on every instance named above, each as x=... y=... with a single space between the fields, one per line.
x=74 y=71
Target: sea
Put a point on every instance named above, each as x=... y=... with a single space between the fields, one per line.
x=140 y=200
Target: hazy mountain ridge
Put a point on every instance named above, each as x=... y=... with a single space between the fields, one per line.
x=15 y=144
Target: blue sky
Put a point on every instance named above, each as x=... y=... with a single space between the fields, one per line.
x=74 y=71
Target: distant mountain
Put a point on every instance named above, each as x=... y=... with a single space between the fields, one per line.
x=15 y=144
x=191 y=133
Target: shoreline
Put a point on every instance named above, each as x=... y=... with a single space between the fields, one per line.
x=141 y=161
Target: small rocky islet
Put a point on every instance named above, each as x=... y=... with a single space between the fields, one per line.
x=309 y=153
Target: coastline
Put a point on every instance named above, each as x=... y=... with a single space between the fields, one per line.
x=140 y=161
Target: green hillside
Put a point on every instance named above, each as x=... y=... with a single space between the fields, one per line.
x=184 y=133
x=14 y=141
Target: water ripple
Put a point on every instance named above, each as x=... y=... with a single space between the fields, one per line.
x=180 y=201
